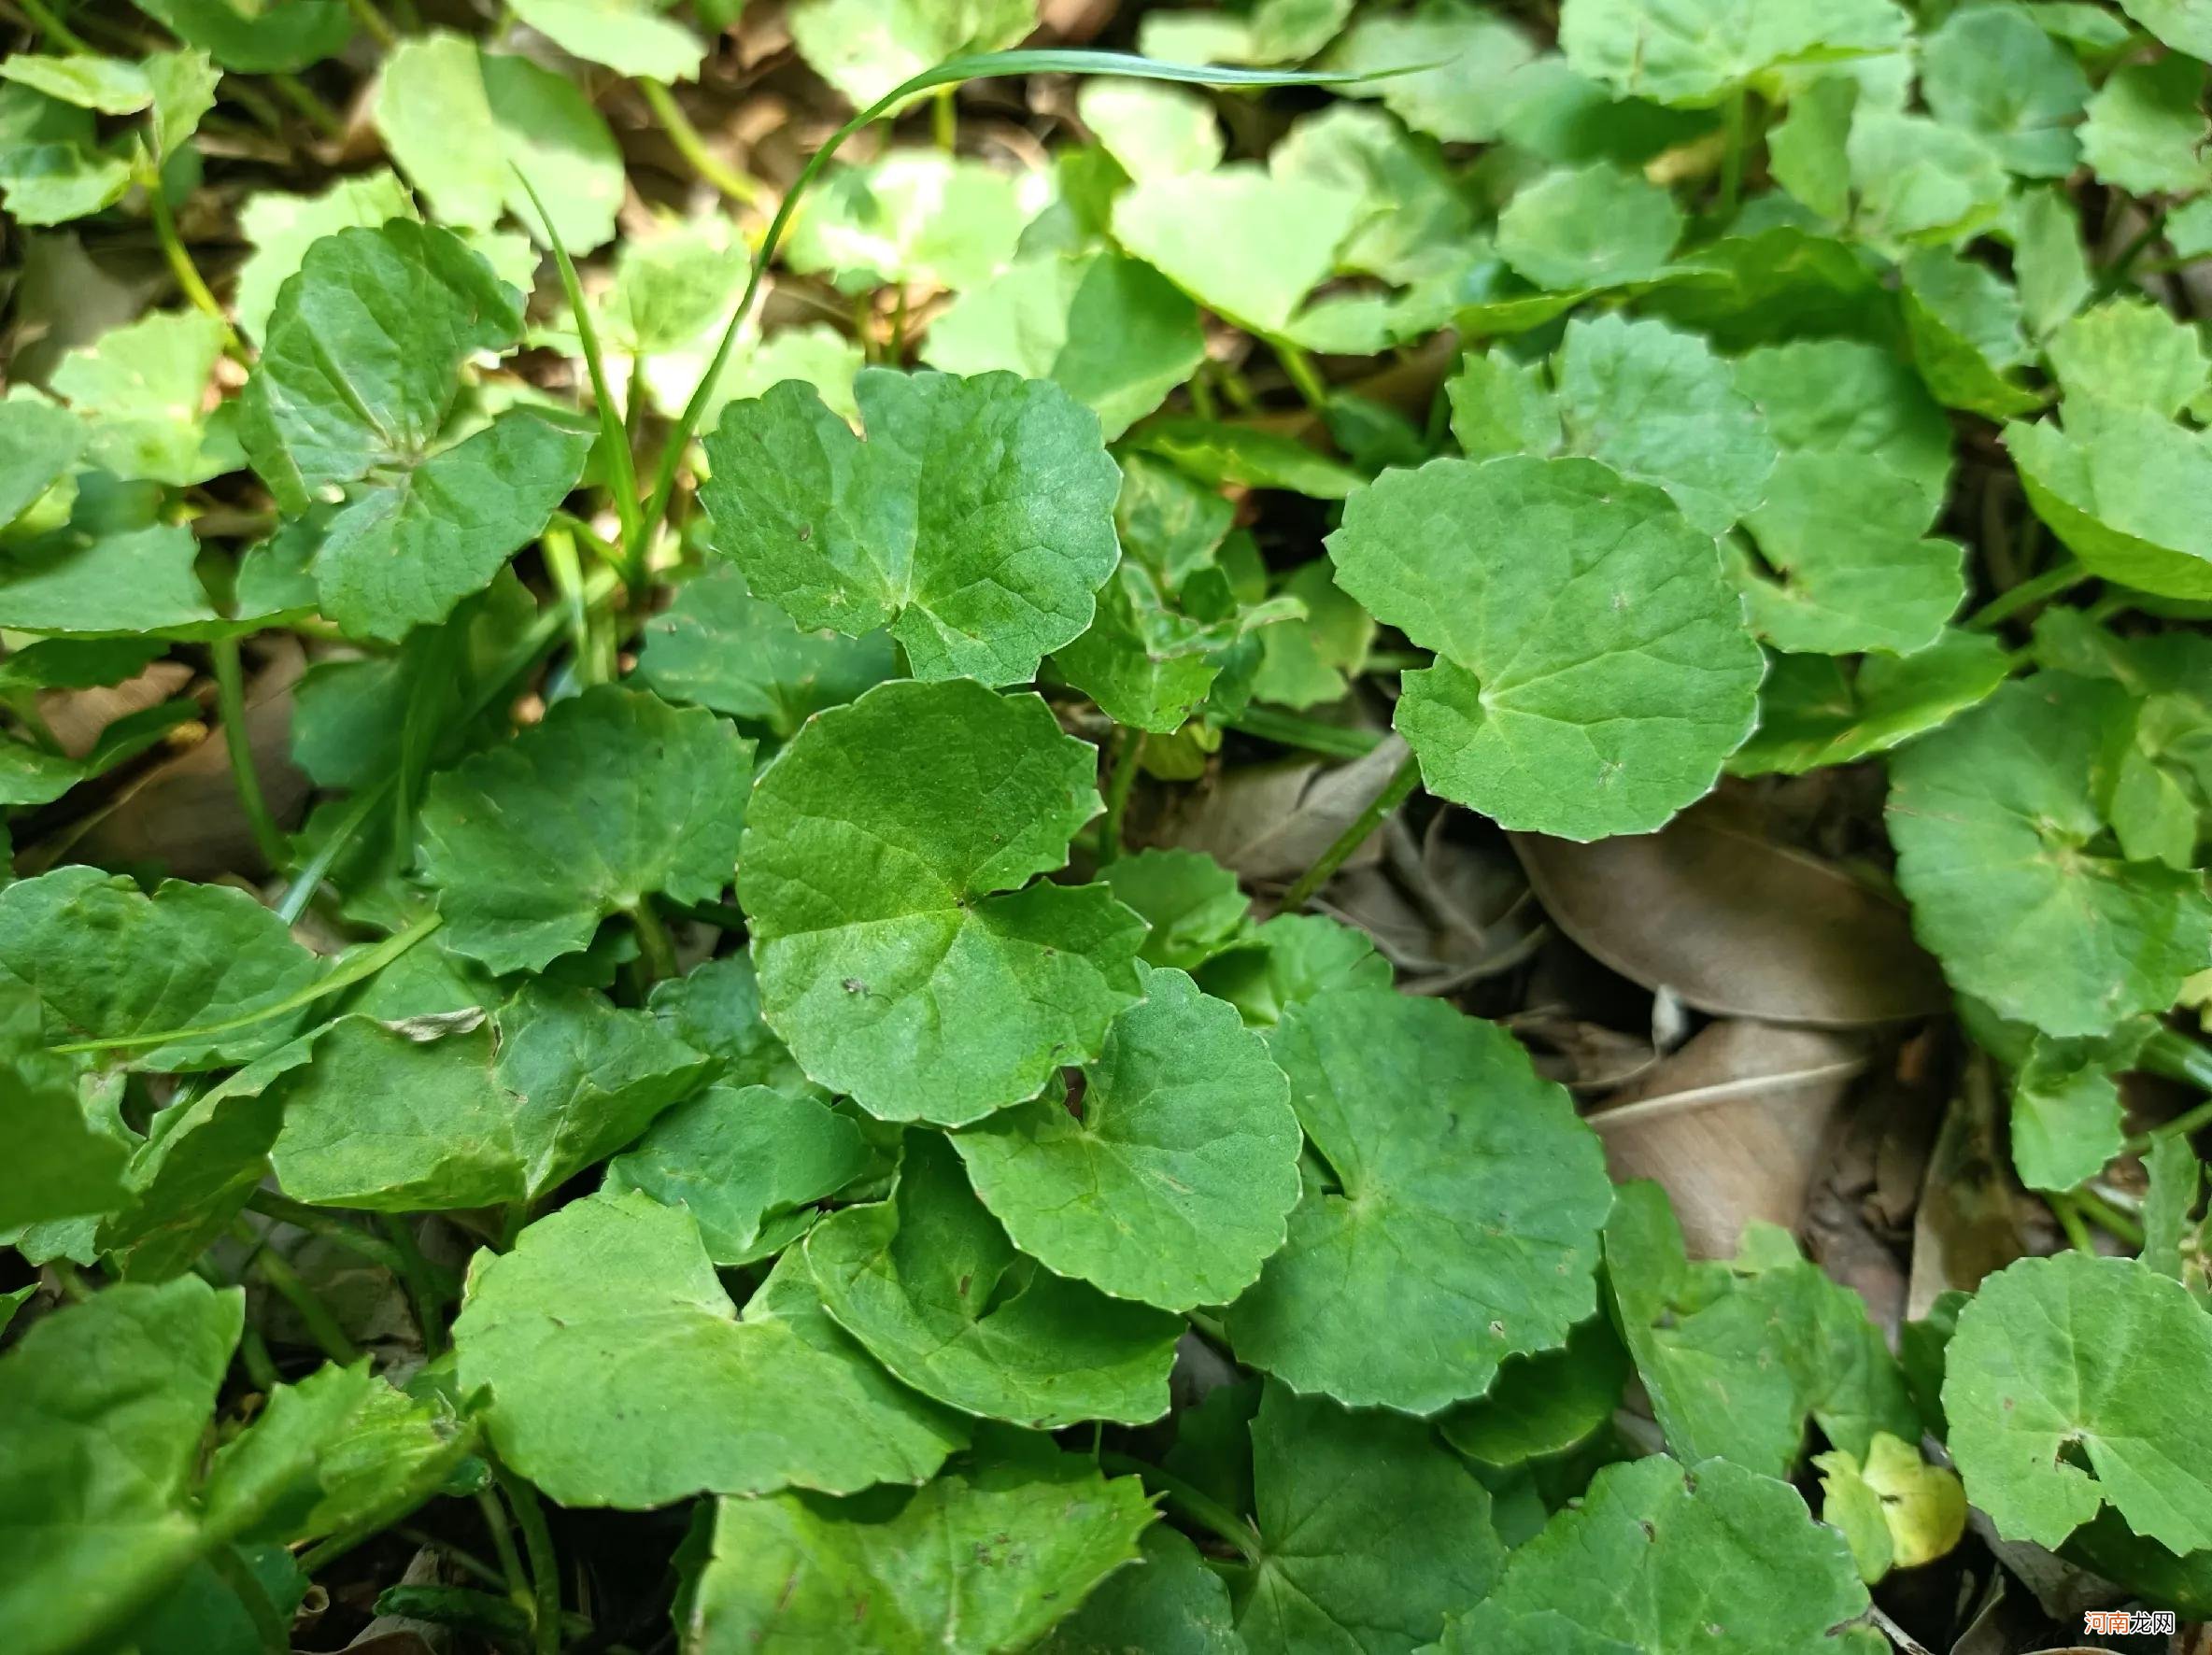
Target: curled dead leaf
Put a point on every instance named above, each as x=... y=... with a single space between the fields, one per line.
x=1270 y=822
x=1735 y=924
x=184 y=815
x=1732 y=1124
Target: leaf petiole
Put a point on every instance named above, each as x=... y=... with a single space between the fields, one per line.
x=1395 y=792
x=740 y=187
x=358 y=970
x=1129 y=751
x=2044 y=587
x=614 y=436
x=1288 y=729
x=1201 y=1509
x=545 y=1565
x=186 y=274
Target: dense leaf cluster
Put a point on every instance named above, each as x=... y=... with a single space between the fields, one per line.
x=714 y=996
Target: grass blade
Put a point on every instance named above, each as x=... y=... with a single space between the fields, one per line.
x=614 y=437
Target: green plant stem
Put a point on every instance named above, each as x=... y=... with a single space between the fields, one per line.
x=1202 y=401
x=230 y=702
x=2107 y=1217
x=1309 y=735
x=559 y=548
x=528 y=656
x=467 y=1560
x=2060 y=578
x=2063 y=1209
x=503 y=1548
x=2178 y=1057
x=1395 y=792
x=316 y=1221
x=741 y=188
x=442 y=655
x=303 y=97
x=1199 y=1506
x=545 y=1565
x=1129 y=751
x=1303 y=374
x=358 y=970
x=989 y=65
x=428 y=1287
x=2123 y=262
x=656 y=951
x=945 y=120
x=2186 y=1124
x=614 y=434
x=69 y=1280
x=272 y=1626
x=1734 y=121
x=725 y=916
x=322 y=1327
x=371 y=19
x=260 y=1368
x=49 y=25
x=181 y=267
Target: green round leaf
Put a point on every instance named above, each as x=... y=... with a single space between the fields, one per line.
x=928 y=1281
x=1239 y=240
x=468 y=126
x=1813 y=711
x=1688 y=1558
x=2069 y=1385
x=275 y=39
x=1657 y=405
x=748 y=1163
x=719 y=646
x=615 y=798
x=1113 y=334
x=974 y=521
x=1592 y=667
x=102 y=1408
x=1170 y=1180
x=1469 y=56
x=982 y=1560
x=1694 y=52
x=904 y=956
x=404 y=554
x=1372 y=1531
x=629 y=37
x=1843 y=536
x=620 y=1375
x=2000 y=850
x=1171 y=1604
x=1589 y=226
x=362 y=359
x=1463 y=1225
x=105 y=961
x=1191 y=903
x=2116 y=485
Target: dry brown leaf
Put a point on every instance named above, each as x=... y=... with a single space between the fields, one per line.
x=1734 y=923
x=184 y=815
x=77 y=717
x=1270 y=822
x=1967 y=1225
x=1445 y=910
x=1732 y=1124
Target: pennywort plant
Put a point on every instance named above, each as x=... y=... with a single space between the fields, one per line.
x=864 y=680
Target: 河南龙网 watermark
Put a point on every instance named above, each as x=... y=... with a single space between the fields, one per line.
x=2140 y=1622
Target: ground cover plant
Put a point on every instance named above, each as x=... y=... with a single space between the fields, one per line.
x=1309 y=826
